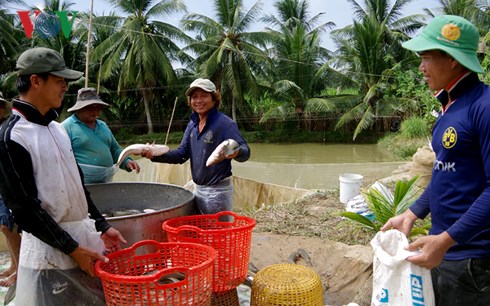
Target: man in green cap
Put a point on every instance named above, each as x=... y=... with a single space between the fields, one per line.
x=457 y=248
x=42 y=185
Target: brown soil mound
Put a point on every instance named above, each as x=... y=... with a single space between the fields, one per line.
x=339 y=251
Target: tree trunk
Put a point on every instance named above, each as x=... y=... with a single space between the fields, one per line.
x=146 y=103
x=233 y=109
x=301 y=118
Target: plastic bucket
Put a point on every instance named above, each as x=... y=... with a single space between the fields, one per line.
x=350 y=186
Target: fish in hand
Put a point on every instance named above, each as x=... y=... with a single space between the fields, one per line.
x=226 y=148
x=136 y=149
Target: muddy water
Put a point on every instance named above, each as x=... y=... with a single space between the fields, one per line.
x=314 y=166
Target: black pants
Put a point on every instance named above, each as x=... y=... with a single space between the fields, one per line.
x=465 y=282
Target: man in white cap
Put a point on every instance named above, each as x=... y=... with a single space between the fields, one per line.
x=457 y=248
x=95 y=148
x=207 y=129
x=63 y=233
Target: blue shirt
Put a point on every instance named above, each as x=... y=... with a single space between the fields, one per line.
x=96 y=147
x=198 y=147
x=458 y=196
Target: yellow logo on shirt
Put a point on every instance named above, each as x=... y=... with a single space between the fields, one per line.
x=449 y=138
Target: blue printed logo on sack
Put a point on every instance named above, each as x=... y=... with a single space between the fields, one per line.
x=382 y=296
x=417 y=287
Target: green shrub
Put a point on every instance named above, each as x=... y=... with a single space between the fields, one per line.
x=384 y=207
x=414 y=127
x=401 y=147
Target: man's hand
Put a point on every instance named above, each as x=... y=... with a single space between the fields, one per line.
x=86 y=258
x=432 y=249
x=403 y=222
x=147 y=153
x=112 y=238
x=133 y=165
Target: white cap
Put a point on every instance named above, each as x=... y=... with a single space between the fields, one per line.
x=204 y=84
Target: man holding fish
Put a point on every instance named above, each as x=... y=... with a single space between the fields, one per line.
x=95 y=148
x=63 y=233
x=211 y=140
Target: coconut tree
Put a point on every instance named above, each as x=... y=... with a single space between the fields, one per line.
x=226 y=52
x=292 y=13
x=301 y=64
x=9 y=45
x=143 y=49
x=476 y=11
x=367 y=49
x=72 y=46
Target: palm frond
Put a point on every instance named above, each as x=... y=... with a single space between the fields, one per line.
x=360 y=220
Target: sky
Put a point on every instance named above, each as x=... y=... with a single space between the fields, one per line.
x=337 y=11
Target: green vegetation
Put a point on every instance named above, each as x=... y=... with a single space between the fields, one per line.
x=385 y=207
x=414 y=133
x=414 y=127
x=401 y=147
x=125 y=136
x=279 y=84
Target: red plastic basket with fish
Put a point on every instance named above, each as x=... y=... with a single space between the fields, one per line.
x=231 y=239
x=154 y=273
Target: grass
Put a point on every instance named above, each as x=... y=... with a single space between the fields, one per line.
x=312 y=216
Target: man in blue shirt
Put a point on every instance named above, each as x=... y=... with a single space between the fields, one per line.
x=457 y=248
x=95 y=148
x=206 y=130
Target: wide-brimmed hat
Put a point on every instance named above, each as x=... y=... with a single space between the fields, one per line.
x=204 y=84
x=452 y=34
x=87 y=96
x=39 y=60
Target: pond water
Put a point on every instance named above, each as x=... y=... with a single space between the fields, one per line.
x=314 y=166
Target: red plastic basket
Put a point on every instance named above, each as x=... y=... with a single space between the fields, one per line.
x=231 y=239
x=153 y=273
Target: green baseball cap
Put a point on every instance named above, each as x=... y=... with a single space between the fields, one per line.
x=39 y=60
x=452 y=34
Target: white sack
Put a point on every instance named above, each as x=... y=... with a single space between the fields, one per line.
x=396 y=281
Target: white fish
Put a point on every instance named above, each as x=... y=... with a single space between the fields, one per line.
x=226 y=148
x=136 y=149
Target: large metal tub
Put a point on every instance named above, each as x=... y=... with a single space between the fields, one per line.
x=168 y=201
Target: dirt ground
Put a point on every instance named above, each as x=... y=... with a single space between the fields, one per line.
x=340 y=253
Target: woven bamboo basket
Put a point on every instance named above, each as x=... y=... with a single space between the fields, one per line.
x=286 y=284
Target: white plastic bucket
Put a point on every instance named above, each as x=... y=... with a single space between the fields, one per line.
x=350 y=186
